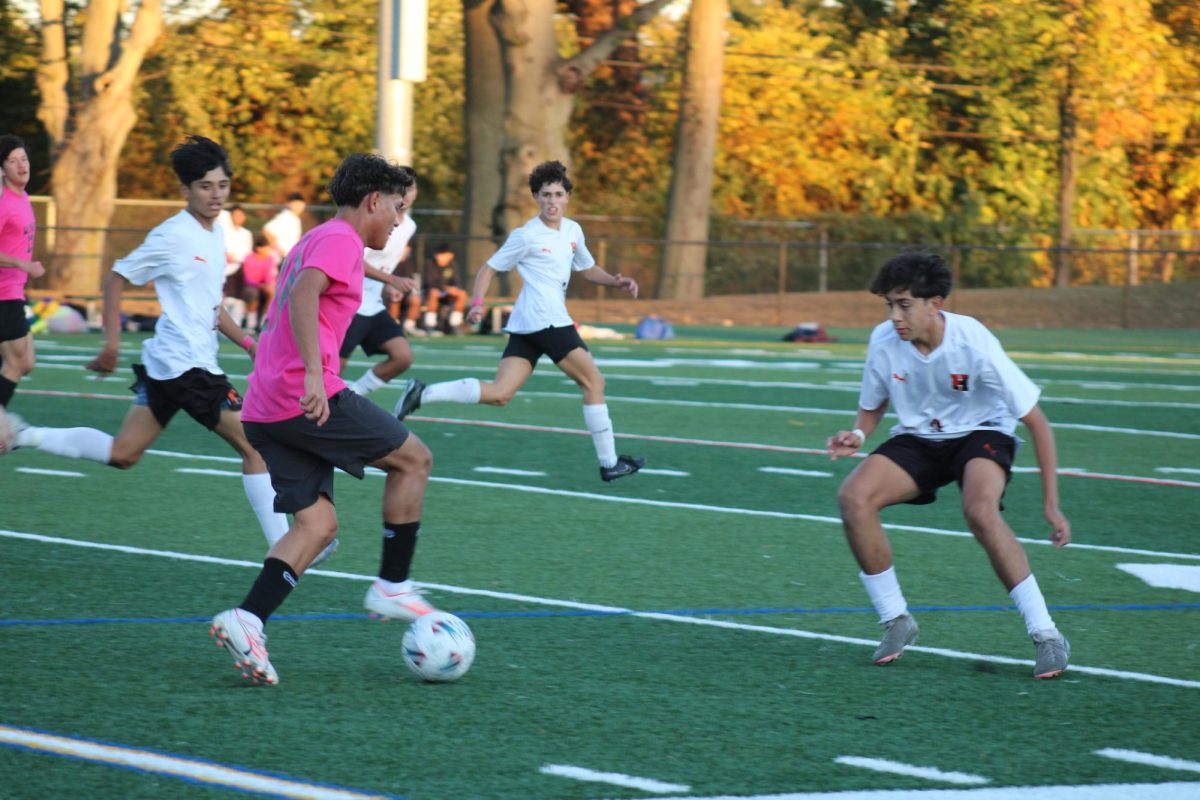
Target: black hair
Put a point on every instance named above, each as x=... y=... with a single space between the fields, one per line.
x=193 y=159
x=444 y=247
x=549 y=172
x=10 y=142
x=261 y=240
x=362 y=173
x=923 y=273
x=236 y=207
x=295 y=196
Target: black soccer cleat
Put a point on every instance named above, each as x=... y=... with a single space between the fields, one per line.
x=410 y=399
x=626 y=465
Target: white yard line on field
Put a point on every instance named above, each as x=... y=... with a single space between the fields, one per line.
x=205 y=773
x=753 y=512
x=1100 y=791
x=654 y=615
x=59 y=473
x=1149 y=759
x=911 y=770
x=615 y=778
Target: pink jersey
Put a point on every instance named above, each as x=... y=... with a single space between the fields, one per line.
x=259 y=270
x=17 y=226
x=277 y=382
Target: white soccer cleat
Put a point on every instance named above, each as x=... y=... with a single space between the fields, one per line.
x=6 y=433
x=406 y=604
x=240 y=633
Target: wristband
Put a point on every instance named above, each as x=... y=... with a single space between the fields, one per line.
x=247 y=343
x=476 y=303
x=862 y=437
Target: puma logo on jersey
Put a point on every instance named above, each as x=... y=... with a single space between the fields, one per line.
x=901 y=378
x=959 y=381
x=200 y=259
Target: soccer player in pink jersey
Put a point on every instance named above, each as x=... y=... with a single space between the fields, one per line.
x=305 y=421
x=957 y=397
x=17 y=229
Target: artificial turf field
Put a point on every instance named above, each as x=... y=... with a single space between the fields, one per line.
x=698 y=630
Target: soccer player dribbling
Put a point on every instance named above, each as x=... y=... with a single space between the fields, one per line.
x=305 y=421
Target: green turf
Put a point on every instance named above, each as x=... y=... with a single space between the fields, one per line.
x=725 y=710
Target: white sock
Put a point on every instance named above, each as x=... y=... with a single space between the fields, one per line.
x=261 y=495
x=430 y=319
x=1028 y=597
x=464 y=390
x=600 y=426
x=456 y=318
x=86 y=443
x=885 y=594
x=367 y=383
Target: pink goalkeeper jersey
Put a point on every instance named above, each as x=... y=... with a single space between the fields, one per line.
x=17 y=226
x=277 y=382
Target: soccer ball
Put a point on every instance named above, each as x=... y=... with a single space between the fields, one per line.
x=439 y=646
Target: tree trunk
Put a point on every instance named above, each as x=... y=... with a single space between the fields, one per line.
x=539 y=89
x=538 y=108
x=484 y=119
x=89 y=140
x=1067 y=161
x=684 y=260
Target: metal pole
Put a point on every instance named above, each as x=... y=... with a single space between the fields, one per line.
x=403 y=27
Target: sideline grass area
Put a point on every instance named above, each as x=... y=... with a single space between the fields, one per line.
x=112 y=645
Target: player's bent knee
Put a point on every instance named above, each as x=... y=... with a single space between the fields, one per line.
x=982 y=515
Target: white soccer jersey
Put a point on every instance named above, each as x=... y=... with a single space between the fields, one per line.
x=187 y=264
x=287 y=228
x=544 y=258
x=968 y=383
x=384 y=260
x=239 y=242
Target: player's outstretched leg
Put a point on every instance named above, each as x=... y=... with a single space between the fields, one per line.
x=241 y=634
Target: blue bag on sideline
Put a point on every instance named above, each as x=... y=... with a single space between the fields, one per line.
x=654 y=327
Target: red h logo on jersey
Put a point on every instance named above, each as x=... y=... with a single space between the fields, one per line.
x=958 y=381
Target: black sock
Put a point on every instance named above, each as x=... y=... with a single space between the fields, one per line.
x=270 y=589
x=399 y=544
x=7 y=388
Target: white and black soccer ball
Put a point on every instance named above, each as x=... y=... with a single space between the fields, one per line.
x=439 y=646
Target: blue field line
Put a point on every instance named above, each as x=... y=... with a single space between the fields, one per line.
x=622 y=613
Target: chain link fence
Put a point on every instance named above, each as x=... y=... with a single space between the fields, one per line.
x=750 y=259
